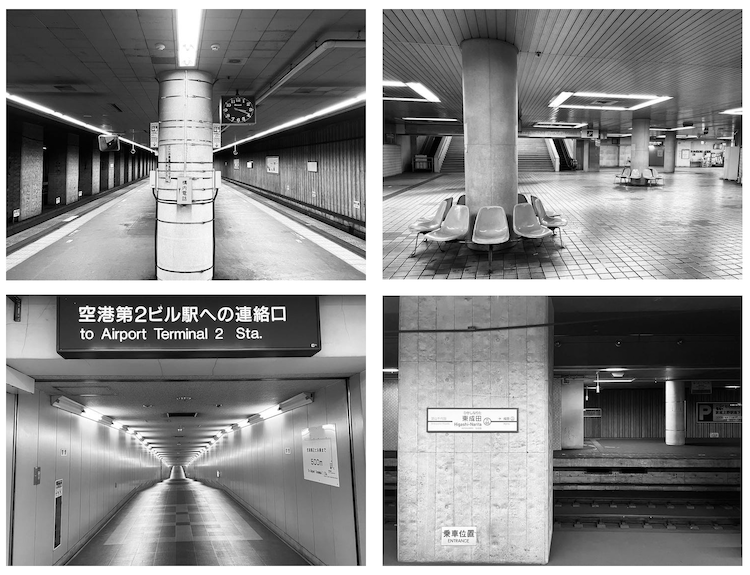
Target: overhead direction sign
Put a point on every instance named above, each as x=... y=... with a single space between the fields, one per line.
x=187 y=326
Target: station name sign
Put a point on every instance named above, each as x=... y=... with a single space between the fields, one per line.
x=472 y=420
x=187 y=326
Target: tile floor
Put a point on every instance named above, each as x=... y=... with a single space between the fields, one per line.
x=691 y=227
x=183 y=522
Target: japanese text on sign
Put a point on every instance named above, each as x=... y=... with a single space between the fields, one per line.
x=475 y=420
x=719 y=412
x=319 y=457
x=458 y=535
x=122 y=324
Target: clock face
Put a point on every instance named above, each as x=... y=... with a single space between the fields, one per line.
x=238 y=110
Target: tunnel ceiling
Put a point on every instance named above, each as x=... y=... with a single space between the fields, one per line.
x=695 y=56
x=141 y=392
x=99 y=66
x=655 y=338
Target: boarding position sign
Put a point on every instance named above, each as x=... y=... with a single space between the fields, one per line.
x=187 y=326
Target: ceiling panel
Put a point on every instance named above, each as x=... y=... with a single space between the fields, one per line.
x=111 y=56
x=695 y=56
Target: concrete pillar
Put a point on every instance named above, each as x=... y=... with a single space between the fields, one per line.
x=639 y=143
x=490 y=70
x=185 y=233
x=670 y=152
x=32 y=160
x=675 y=412
x=593 y=155
x=110 y=170
x=96 y=158
x=84 y=166
x=63 y=169
x=571 y=402
x=500 y=484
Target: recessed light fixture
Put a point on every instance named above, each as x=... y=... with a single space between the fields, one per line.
x=160 y=46
x=390 y=370
x=561 y=125
x=686 y=137
x=183 y=398
x=430 y=119
x=671 y=129
x=421 y=89
x=650 y=100
x=619 y=135
x=733 y=111
x=188 y=34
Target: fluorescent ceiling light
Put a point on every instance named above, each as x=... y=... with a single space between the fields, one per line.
x=686 y=136
x=725 y=138
x=560 y=99
x=619 y=135
x=615 y=380
x=393 y=83
x=69 y=120
x=91 y=414
x=351 y=102
x=671 y=129
x=561 y=125
x=188 y=35
x=270 y=412
x=558 y=102
x=421 y=89
x=390 y=370
x=430 y=119
x=62 y=402
x=734 y=111
x=296 y=401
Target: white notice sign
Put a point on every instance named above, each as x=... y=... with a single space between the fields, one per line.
x=319 y=459
x=450 y=535
x=473 y=420
x=154 y=135
x=216 y=139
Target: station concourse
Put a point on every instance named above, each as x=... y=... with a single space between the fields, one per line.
x=562 y=430
x=622 y=134
x=235 y=136
x=185 y=430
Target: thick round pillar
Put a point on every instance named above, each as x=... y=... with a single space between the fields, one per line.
x=185 y=232
x=490 y=69
x=571 y=421
x=670 y=151
x=675 y=412
x=639 y=143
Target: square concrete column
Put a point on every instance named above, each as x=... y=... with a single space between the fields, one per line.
x=110 y=170
x=63 y=168
x=670 y=151
x=32 y=160
x=96 y=158
x=571 y=403
x=499 y=483
x=639 y=143
x=84 y=166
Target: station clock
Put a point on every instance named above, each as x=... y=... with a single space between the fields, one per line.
x=237 y=110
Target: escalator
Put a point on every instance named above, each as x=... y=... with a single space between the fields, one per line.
x=566 y=161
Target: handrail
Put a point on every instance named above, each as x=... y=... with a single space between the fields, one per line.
x=552 y=151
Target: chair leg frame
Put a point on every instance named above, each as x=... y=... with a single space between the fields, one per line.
x=416 y=241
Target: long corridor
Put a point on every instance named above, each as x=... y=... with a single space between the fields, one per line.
x=180 y=521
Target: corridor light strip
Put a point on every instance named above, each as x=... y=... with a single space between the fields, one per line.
x=351 y=102
x=421 y=89
x=69 y=120
x=733 y=111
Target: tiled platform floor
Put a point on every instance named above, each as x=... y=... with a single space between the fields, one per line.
x=183 y=522
x=689 y=228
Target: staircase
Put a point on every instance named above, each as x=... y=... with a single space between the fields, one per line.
x=454 y=157
x=533 y=156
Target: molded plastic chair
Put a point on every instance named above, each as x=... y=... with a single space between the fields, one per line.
x=461 y=200
x=522 y=199
x=424 y=225
x=552 y=221
x=455 y=227
x=652 y=176
x=526 y=225
x=635 y=174
x=490 y=228
x=623 y=176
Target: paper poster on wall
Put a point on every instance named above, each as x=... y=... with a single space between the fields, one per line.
x=319 y=458
x=236 y=163
x=272 y=164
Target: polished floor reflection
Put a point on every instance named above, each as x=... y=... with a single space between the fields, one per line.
x=183 y=522
x=689 y=228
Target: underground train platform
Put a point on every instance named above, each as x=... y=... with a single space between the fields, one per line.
x=185 y=430
x=241 y=132
x=559 y=144
x=562 y=430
